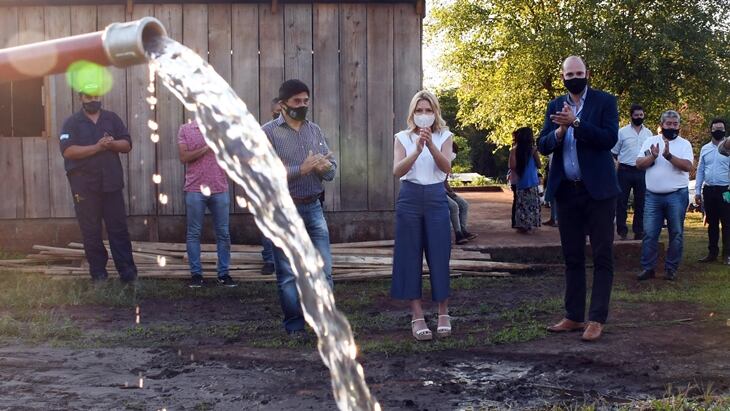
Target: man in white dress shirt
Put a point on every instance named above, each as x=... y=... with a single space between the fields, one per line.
x=667 y=159
x=630 y=139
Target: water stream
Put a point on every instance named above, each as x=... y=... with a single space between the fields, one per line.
x=244 y=152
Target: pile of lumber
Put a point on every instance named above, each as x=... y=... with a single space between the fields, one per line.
x=350 y=261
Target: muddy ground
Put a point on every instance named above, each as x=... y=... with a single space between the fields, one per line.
x=67 y=345
x=225 y=351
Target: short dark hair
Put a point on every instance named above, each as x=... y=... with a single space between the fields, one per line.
x=717 y=120
x=291 y=88
x=635 y=107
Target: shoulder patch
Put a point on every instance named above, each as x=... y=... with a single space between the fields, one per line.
x=64 y=136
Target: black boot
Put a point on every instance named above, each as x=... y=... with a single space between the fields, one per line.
x=645 y=275
x=709 y=258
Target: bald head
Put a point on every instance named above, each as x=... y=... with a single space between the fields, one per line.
x=574 y=63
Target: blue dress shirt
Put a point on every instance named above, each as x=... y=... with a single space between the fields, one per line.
x=570 y=151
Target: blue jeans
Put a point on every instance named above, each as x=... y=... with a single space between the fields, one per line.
x=218 y=204
x=657 y=207
x=316 y=226
x=459 y=213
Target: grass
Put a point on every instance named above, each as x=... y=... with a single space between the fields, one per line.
x=707 y=285
x=29 y=303
x=41 y=327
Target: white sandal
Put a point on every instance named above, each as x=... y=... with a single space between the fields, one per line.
x=423 y=334
x=444 y=330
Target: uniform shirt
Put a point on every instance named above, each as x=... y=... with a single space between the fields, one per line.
x=293 y=147
x=663 y=177
x=102 y=171
x=570 y=146
x=204 y=171
x=424 y=170
x=628 y=144
x=713 y=168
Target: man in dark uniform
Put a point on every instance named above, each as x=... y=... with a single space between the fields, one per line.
x=91 y=141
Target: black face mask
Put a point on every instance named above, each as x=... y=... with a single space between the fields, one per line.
x=575 y=85
x=670 y=133
x=637 y=121
x=297 y=113
x=92 y=107
x=718 y=134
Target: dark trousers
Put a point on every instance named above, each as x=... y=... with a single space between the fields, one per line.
x=91 y=208
x=579 y=215
x=717 y=212
x=630 y=178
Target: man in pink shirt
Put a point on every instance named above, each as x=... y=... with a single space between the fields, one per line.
x=206 y=186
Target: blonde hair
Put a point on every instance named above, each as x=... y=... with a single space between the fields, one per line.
x=439 y=123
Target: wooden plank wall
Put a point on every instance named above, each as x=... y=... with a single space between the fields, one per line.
x=361 y=61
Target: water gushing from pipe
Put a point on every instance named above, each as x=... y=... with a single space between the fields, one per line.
x=244 y=152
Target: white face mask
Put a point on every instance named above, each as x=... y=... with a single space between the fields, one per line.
x=453 y=156
x=424 y=120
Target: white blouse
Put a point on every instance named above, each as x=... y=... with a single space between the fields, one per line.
x=424 y=171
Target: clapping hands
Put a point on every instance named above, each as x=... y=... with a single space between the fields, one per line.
x=319 y=163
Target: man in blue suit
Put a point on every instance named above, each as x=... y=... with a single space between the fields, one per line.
x=580 y=130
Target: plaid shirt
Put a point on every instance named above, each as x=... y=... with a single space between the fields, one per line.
x=293 y=147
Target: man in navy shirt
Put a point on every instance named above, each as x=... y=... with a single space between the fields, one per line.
x=90 y=143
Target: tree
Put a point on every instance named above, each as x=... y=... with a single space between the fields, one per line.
x=476 y=153
x=659 y=53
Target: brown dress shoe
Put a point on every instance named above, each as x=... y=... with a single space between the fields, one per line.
x=565 y=325
x=593 y=331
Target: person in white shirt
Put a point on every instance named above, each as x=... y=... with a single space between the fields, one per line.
x=422 y=160
x=630 y=139
x=667 y=159
x=712 y=186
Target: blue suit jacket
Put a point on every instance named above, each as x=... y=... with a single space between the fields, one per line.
x=596 y=136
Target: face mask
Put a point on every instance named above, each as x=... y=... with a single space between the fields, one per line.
x=453 y=156
x=637 y=121
x=297 y=113
x=670 y=133
x=424 y=120
x=92 y=107
x=575 y=85
x=718 y=134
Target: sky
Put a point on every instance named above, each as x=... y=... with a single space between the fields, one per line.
x=434 y=76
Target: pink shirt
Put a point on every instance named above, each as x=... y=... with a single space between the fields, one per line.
x=204 y=171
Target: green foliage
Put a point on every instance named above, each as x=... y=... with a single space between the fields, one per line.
x=659 y=53
x=481 y=156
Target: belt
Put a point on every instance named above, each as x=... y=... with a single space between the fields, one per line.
x=574 y=183
x=305 y=200
x=626 y=166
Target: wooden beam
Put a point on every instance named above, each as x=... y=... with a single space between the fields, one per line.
x=421 y=8
x=274 y=6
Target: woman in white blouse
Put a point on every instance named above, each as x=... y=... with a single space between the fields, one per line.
x=421 y=160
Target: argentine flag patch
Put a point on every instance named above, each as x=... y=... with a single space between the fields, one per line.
x=64 y=136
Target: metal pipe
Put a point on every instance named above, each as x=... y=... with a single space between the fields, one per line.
x=120 y=45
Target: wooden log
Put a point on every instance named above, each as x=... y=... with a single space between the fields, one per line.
x=377 y=243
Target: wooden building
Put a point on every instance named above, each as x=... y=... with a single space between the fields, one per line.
x=362 y=60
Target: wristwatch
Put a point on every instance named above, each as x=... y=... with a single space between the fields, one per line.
x=576 y=122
